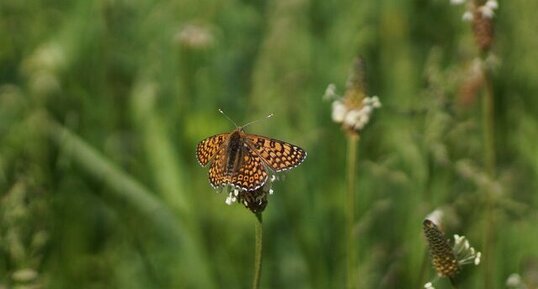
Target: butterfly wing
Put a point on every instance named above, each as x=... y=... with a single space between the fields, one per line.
x=209 y=147
x=250 y=175
x=217 y=176
x=278 y=155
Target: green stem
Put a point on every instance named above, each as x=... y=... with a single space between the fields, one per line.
x=489 y=162
x=488 y=122
x=453 y=283
x=258 y=251
x=353 y=140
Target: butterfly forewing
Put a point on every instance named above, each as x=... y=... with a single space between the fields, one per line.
x=249 y=175
x=208 y=148
x=277 y=154
x=217 y=177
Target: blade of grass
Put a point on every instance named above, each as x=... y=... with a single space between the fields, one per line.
x=162 y=156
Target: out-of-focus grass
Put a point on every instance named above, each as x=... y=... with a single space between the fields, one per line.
x=137 y=84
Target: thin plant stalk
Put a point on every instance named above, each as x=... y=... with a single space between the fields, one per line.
x=353 y=142
x=489 y=162
x=258 y=251
x=453 y=283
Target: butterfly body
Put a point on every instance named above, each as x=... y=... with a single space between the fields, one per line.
x=236 y=150
x=244 y=160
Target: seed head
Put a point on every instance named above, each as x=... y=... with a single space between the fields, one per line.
x=480 y=13
x=254 y=200
x=443 y=258
x=355 y=109
x=482 y=25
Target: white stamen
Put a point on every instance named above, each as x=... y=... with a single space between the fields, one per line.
x=514 y=281
x=330 y=92
x=339 y=111
x=487 y=11
x=477 y=258
x=492 y=4
x=429 y=285
x=375 y=102
x=457 y=2
x=467 y=16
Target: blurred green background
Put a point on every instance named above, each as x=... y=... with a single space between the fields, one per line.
x=103 y=102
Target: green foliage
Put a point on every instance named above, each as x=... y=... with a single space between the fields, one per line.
x=103 y=102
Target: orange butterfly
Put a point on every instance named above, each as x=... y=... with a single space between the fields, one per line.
x=242 y=160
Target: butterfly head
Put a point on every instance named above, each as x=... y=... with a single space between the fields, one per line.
x=237 y=133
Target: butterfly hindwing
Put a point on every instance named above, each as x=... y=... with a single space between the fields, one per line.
x=208 y=148
x=277 y=154
x=249 y=176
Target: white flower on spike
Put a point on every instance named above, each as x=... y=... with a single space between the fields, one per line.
x=465 y=253
x=477 y=258
x=339 y=111
x=514 y=281
x=330 y=92
x=486 y=11
x=492 y=4
x=372 y=102
x=195 y=36
x=355 y=118
x=352 y=117
x=231 y=197
x=467 y=16
x=429 y=285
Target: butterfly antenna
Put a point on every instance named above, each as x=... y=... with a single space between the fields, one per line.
x=269 y=116
x=220 y=110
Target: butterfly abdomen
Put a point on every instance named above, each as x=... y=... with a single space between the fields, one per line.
x=235 y=154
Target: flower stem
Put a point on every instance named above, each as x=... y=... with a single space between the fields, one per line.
x=453 y=283
x=257 y=251
x=353 y=141
x=489 y=162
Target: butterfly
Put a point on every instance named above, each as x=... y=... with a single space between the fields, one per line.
x=244 y=161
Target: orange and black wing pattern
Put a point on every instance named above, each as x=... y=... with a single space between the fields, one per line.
x=251 y=174
x=278 y=155
x=209 y=147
